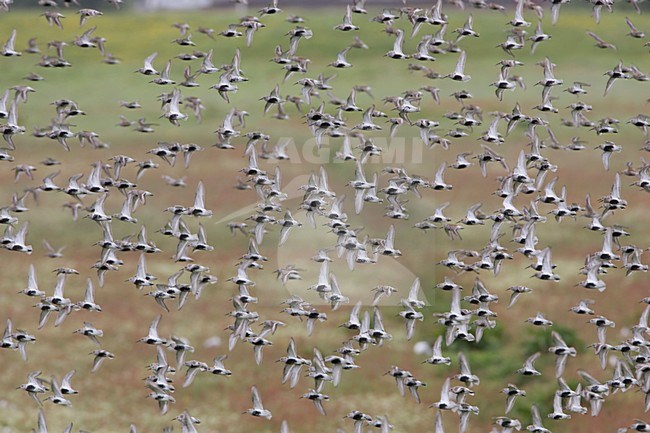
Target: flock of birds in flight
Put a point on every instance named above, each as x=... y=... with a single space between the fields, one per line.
x=469 y=316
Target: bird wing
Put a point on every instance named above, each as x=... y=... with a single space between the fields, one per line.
x=415 y=290
x=60 y=283
x=347 y=18
x=536 y=417
x=464 y=365
x=141 y=270
x=519 y=11
x=437 y=347
x=531 y=360
x=377 y=320
x=153 y=328
x=31 y=278
x=148 y=62
x=596 y=37
x=9 y=46
x=323 y=276
x=335 y=285
x=464 y=421
x=8 y=330
x=319 y=406
x=399 y=40
x=42 y=427
x=257 y=401
x=557 y=339
x=439 y=428
x=354 y=314
x=390 y=237
x=460 y=65
x=199 y=197
x=560 y=364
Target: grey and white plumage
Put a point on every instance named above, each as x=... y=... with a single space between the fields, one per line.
x=258 y=410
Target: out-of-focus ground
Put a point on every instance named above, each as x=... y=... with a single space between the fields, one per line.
x=114 y=396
